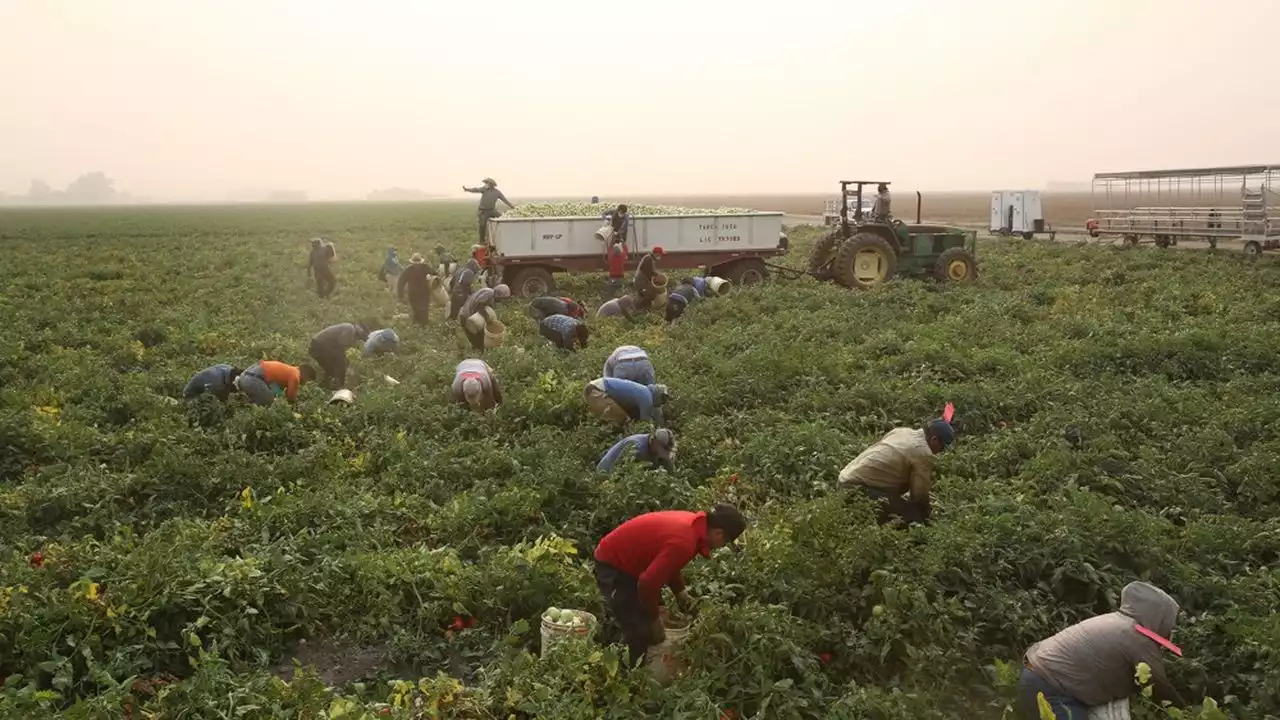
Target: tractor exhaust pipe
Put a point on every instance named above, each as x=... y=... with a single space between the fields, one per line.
x=918 y=201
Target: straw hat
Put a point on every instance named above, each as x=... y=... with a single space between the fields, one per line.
x=417 y=259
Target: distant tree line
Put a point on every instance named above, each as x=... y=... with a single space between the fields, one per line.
x=93 y=188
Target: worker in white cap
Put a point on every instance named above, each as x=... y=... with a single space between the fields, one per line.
x=475 y=385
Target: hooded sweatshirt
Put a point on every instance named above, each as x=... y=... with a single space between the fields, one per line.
x=639 y=401
x=623 y=306
x=490 y=390
x=645 y=450
x=1093 y=661
x=478 y=301
x=416 y=279
x=340 y=337
x=391 y=266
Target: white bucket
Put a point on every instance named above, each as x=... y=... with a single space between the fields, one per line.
x=1114 y=710
x=439 y=293
x=554 y=632
x=476 y=322
x=661 y=658
x=605 y=233
x=719 y=285
x=494 y=333
x=343 y=396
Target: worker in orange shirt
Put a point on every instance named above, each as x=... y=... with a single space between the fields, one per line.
x=267 y=379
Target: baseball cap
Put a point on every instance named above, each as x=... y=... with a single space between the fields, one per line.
x=659 y=250
x=728 y=518
x=942 y=430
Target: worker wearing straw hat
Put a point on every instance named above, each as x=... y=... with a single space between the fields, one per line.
x=658 y=448
x=416 y=281
x=900 y=463
x=647 y=553
x=476 y=385
x=488 y=208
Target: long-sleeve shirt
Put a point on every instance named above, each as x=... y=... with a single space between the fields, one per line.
x=618 y=221
x=688 y=292
x=636 y=399
x=900 y=462
x=383 y=341
x=624 y=352
x=647 y=267
x=320 y=257
x=283 y=376
x=391 y=266
x=489 y=197
x=881 y=207
x=548 y=306
x=643 y=452
x=653 y=548
x=560 y=329
x=215 y=379
x=416 y=279
x=700 y=284
x=340 y=336
x=480 y=370
x=1093 y=661
x=623 y=306
x=460 y=283
x=478 y=301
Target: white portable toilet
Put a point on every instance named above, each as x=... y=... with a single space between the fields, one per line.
x=1017 y=212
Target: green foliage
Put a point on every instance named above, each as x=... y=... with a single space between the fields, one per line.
x=186 y=551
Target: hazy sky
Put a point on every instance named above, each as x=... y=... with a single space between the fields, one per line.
x=201 y=98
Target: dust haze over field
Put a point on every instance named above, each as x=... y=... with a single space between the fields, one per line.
x=292 y=100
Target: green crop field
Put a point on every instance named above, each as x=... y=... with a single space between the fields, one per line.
x=1116 y=413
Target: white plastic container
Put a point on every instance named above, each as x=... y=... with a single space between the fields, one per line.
x=554 y=632
x=605 y=233
x=343 y=396
x=661 y=658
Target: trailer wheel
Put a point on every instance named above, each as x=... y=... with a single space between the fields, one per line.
x=864 y=261
x=532 y=282
x=823 y=252
x=1028 y=235
x=1252 y=249
x=747 y=272
x=955 y=265
x=1163 y=241
x=1131 y=240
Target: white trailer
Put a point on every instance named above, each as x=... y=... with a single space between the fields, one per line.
x=526 y=252
x=1018 y=212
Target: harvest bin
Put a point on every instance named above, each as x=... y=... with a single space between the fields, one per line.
x=554 y=632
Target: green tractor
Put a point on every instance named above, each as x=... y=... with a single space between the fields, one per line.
x=864 y=251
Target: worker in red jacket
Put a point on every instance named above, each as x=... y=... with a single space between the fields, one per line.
x=644 y=554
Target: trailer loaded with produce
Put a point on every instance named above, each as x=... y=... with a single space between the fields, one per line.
x=528 y=245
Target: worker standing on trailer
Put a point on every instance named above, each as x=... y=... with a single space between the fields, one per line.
x=630 y=362
x=619 y=220
x=658 y=448
x=544 y=307
x=217 y=380
x=880 y=211
x=329 y=349
x=480 y=303
x=902 y=462
x=266 y=379
x=320 y=266
x=476 y=385
x=624 y=306
x=417 y=280
x=646 y=291
x=621 y=401
x=1092 y=662
x=648 y=552
x=488 y=208
x=564 y=331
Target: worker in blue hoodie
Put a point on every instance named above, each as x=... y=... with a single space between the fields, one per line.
x=217 y=379
x=621 y=401
x=657 y=447
x=681 y=298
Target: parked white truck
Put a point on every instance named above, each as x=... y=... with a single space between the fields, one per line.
x=527 y=252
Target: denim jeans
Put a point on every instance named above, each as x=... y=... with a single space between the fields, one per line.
x=1064 y=706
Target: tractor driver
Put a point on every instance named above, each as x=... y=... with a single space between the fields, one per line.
x=880 y=211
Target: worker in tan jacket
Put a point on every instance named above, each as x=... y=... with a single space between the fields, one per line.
x=900 y=464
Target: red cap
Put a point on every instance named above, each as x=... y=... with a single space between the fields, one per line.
x=657 y=250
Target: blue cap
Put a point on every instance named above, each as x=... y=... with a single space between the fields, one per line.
x=941 y=429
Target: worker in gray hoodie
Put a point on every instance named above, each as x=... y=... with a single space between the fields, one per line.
x=481 y=302
x=1092 y=662
x=475 y=385
x=329 y=349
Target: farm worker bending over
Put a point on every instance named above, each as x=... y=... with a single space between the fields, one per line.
x=329 y=350
x=382 y=342
x=319 y=264
x=1092 y=662
x=390 y=272
x=880 y=210
x=563 y=331
x=445 y=260
x=220 y=380
x=708 y=286
x=658 y=447
x=489 y=197
x=460 y=285
x=630 y=362
x=624 y=306
x=679 y=299
x=263 y=381
x=417 y=280
x=901 y=462
x=644 y=554
x=474 y=384
x=646 y=291
x=620 y=401
x=480 y=303
x=619 y=218
x=544 y=307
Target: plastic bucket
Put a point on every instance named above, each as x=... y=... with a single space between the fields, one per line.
x=661 y=658
x=343 y=396
x=439 y=293
x=494 y=333
x=605 y=233
x=554 y=632
x=1114 y=710
x=476 y=322
x=719 y=285
x=660 y=281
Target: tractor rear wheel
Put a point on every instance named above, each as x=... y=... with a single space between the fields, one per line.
x=823 y=253
x=956 y=265
x=864 y=261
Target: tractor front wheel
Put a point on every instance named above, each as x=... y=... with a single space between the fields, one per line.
x=956 y=265
x=823 y=253
x=864 y=261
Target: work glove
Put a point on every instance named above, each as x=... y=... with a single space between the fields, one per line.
x=686 y=602
x=657 y=634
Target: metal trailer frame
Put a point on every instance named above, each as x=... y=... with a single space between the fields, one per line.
x=1213 y=204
